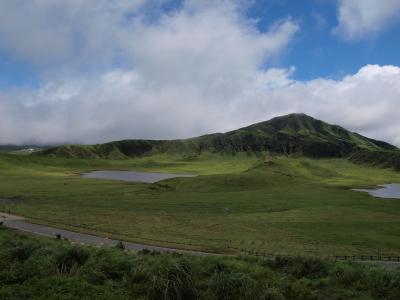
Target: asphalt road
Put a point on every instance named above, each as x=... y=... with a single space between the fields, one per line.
x=21 y=224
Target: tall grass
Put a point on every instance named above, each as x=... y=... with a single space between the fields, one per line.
x=33 y=268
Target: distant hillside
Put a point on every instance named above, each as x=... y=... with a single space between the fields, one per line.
x=291 y=134
x=21 y=149
x=388 y=159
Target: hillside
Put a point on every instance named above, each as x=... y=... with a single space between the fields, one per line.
x=291 y=134
x=21 y=148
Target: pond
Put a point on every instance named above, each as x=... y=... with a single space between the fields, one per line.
x=383 y=191
x=148 y=177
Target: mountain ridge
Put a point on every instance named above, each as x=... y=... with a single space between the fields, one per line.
x=291 y=134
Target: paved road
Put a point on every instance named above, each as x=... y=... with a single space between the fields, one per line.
x=21 y=224
x=391 y=265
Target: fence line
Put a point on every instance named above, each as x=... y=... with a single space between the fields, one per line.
x=334 y=257
x=367 y=257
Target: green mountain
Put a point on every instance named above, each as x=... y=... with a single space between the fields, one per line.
x=291 y=134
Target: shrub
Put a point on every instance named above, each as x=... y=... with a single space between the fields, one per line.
x=172 y=280
x=69 y=259
x=15 y=261
x=106 y=264
x=40 y=264
x=383 y=284
x=144 y=251
x=297 y=290
x=300 y=267
x=20 y=249
x=272 y=293
x=231 y=285
x=120 y=245
x=149 y=252
x=138 y=281
x=348 y=275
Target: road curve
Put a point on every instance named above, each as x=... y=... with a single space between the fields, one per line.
x=19 y=223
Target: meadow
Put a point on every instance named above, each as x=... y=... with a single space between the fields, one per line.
x=275 y=205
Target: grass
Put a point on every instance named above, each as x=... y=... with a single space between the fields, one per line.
x=38 y=268
x=294 y=206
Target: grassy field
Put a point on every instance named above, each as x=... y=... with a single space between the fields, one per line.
x=238 y=203
x=39 y=268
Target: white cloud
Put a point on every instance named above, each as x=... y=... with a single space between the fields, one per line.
x=366 y=102
x=122 y=104
x=177 y=69
x=59 y=37
x=360 y=18
x=59 y=34
x=199 y=69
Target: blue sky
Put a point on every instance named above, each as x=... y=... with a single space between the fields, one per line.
x=315 y=51
x=92 y=71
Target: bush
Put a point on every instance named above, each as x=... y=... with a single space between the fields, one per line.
x=106 y=264
x=272 y=294
x=15 y=258
x=120 y=245
x=231 y=285
x=41 y=263
x=300 y=267
x=384 y=284
x=69 y=259
x=348 y=275
x=138 y=281
x=144 y=251
x=20 y=249
x=172 y=280
x=298 y=290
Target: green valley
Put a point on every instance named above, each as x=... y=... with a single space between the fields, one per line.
x=262 y=201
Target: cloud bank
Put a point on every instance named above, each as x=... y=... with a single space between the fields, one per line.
x=200 y=68
x=360 y=18
x=123 y=104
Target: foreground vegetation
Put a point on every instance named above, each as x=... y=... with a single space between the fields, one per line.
x=281 y=205
x=33 y=268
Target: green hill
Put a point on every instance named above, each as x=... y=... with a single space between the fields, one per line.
x=291 y=134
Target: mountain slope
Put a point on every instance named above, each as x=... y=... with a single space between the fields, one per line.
x=291 y=134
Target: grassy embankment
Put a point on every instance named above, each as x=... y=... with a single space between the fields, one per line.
x=37 y=268
x=292 y=205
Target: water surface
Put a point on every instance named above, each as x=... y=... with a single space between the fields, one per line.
x=148 y=177
x=384 y=191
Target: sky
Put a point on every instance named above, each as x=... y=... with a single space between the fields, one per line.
x=91 y=71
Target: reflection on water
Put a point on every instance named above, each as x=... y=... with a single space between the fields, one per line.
x=384 y=191
x=148 y=177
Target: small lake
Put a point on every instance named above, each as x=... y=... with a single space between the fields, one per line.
x=383 y=191
x=148 y=177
